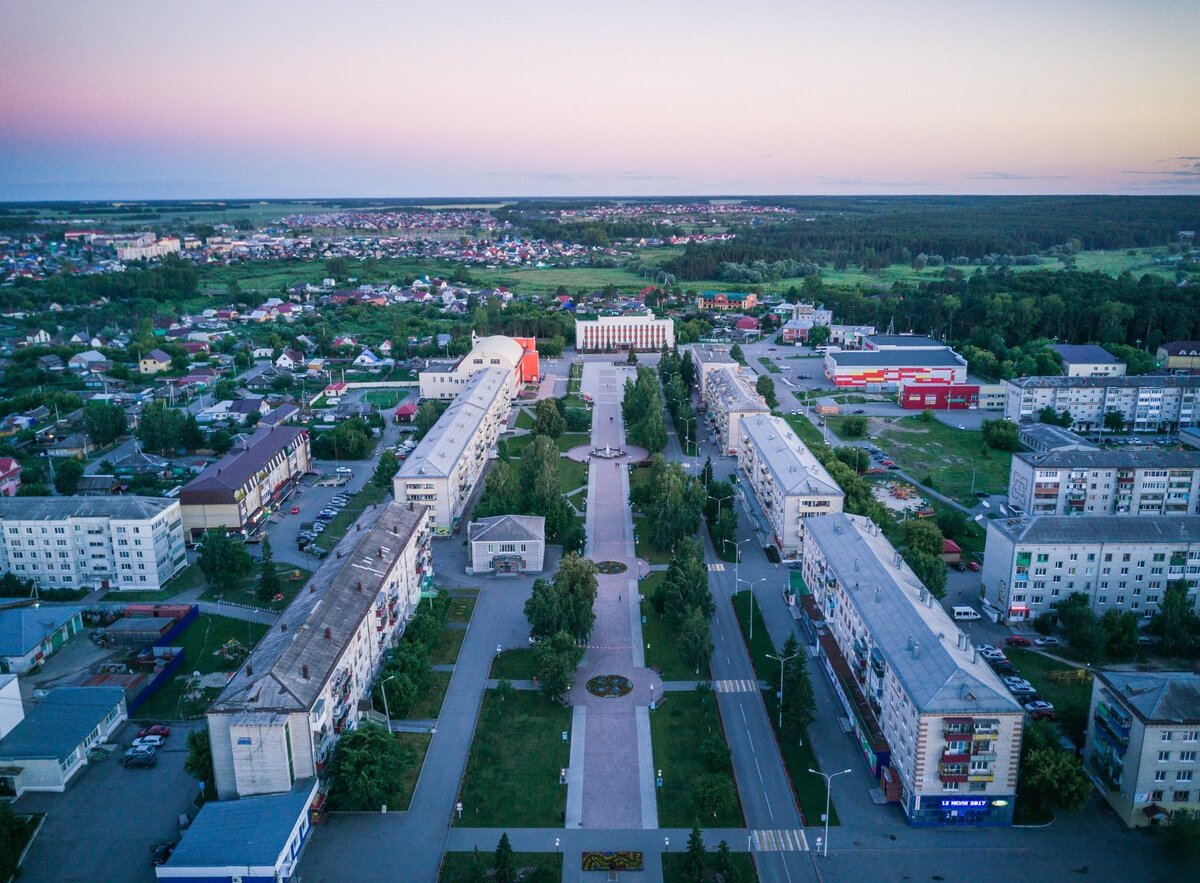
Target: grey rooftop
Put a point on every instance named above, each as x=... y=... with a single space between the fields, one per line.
x=55 y=727
x=439 y=451
x=794 y=468
x=1126 y=529
x=1158 y=697
x=1085 y=354
x=60 y=508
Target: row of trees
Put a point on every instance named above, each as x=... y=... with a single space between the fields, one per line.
x=686 y=602
x=642 y=408
x=677 y=374
x=405 y=677
x=672 y=501
x=561 y=617
x=350 y=440
x=1114 y=635
x=531 y=487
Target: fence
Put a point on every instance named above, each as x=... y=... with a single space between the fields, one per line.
x=155 y=684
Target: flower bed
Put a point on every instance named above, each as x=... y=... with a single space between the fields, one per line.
x=613 y=861
x=611 y=567
x=609 y=686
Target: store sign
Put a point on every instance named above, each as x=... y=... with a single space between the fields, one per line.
x=974 y=803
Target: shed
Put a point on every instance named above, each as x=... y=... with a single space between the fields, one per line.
x=951 y=551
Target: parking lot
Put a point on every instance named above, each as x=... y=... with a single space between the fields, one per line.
x=108 y=821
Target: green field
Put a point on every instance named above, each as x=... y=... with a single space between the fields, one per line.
x=515 y=665
x=385 y=398
x=513 y=769
x=680 y=726
x=292 y=579
x=418 y=744
x=947 y=455
x=675 y=865
x=459 y=867
x=808 y=433
x=659 y=641
x=201 y=642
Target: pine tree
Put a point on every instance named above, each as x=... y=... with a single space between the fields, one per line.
x=504 y=869
x=696 y=859
x=269 y=583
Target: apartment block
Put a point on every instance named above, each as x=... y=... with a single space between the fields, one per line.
x=789 y=482
x=1106 y=483
x=241 y=490
x=125 y=543
x=939 y=730
x=518 y=355
x=443 y=470
x=1146 y=403
x=1120 y=562
x=639 y=332
x=1088 y=360
x=708 y=358
x=1143 y=743
x=282 y=712
x=730 y=396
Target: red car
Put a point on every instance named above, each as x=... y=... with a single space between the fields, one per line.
x=295 y=510
x=973 y=565
x=154 y=730
x=1017 y=641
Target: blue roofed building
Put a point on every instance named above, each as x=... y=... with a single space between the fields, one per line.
x=30 y=635
x=45 y=750
x=250 y=840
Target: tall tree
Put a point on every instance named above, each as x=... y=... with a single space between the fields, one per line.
x=67 y=475
x=548 y=419
x=269 y=584
x=368 y=770
x=694 y=866
x=504 y=865
x=554 y=662
x=766 y=388
x=105 y=423
x=386 y=470
x=199 y=761
x=222 y=560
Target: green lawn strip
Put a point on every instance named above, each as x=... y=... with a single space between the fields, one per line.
x=639 y=477
x=643 y=548
x=515 y=665
x=947 y=456
x=769 y=364
x=661 y=652
x=524 y=419
x=446 y=647
x=462 y=606
x=1071 y=699
x=513 y=770
x=675 y=865
x=458 y=867
x=291 y=580
x=385 y=398
x=200 y=641
x=808 y=433
x=566 y=441
x=418 y=743
x=571 y=475
x=332 y=535
x=678 y=729
x=798 y=758
x=429 y=703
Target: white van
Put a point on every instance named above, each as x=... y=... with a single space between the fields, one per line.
x=964 y=613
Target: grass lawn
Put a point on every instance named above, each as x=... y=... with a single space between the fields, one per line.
x=662 y=653
x=191 y=577
x=516 y=665
x=385 y=398
x=566 y=441
x=332 y=535
x=512 y=771
x=675 y=865
x=643 y=548
x=808 y=433
x=418 y=743
x=571 y=475
x=1071 y=700
x=462 y=607
x=200 y=641
x=798 y=755
x=429 y=704
x=946 y=455
x=458 y=867
x=524 y=419
x=678 y=729
x=292 y=579
x=446 y=647
x=639 y=477
x=769 y=364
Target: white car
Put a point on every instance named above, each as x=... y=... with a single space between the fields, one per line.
x=1047 y=642
x=149 y=742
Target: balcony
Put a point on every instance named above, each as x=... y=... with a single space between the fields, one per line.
x=954 y=757
x=954 y=728
x=981 y=777
x=1113 y=726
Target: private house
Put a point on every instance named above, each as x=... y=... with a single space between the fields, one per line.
x=290 y=360
x=154 y=362
x=10 y=477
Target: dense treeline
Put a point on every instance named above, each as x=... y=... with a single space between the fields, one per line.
x=877 y=232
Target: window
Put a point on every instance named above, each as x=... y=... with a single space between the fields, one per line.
x=1189 y=735
x=1160 y=776
x=1164 y=756
x=1181 y=796
x=1165 y=736
x=1156 y=796
x=1183 y=776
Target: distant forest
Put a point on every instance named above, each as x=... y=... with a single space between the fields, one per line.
x=877 y=232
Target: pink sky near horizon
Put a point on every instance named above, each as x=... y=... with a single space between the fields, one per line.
x=221 y=99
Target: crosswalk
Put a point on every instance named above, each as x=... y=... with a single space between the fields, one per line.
x=609 y=646
x=786 y=840
x=740 y=685
x=716 y=568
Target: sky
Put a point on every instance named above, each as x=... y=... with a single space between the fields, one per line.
x=411 y=98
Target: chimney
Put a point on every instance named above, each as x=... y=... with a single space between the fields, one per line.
x=410 y=509
x=328 y=633
x=916 y=650
x=975 y=655
x=312 y=588
x=358 y=586
x=283 y=626
x=249 y=669
x=304 y=671
x=357 y=527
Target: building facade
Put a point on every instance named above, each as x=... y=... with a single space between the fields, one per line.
x=938 y=397
x=1180 y=356
x=730 y=396
x=707 y=358
x=1146 y=402
x=1106 y=483
x=889 y=369
x=507 y=544
x=639 y=332
x=126 y=543
x=723 y=301
x=1120 y=562
x=1143 y=743
x=1088 y=361
x=518 y=355
x=939 y=730
x=280 y=716
x=789 y=482
x=443 y=471
x=241 y=490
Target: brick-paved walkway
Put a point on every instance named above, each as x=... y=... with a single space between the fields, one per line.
x=618 y=766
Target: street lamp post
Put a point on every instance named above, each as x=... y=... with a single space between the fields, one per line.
x=386 y=712
x=750 y=588
x=719 y=500
x=828 y=787
x=737 y=559
x=782 y=660
x=667 y=843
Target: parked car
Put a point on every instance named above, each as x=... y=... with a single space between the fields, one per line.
x=146 y=759
x=317 y=551
x=959 y=566
x=1017 y=641
x=1048 y=642
x=987 y=651
x=295 y=510
x=160 y=854
x=149 y=741
x=1004 y=669
x=973 y=566
x=1018 y=686
x=154 y=730
x=860 y=411
x=1039 y=709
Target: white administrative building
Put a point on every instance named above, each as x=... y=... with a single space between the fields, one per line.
x=640 y=332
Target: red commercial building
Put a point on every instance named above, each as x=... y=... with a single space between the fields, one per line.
x=938 y=397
